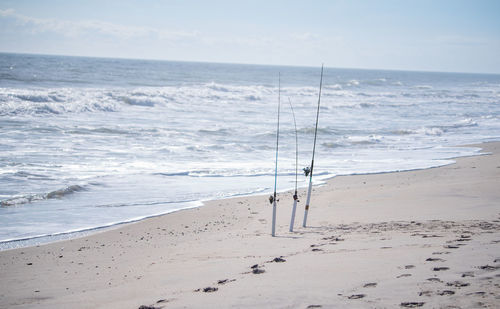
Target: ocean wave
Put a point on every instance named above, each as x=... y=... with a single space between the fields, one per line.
x=36 y=98
x=461 y=124
x=367 y=105
x=364 y=140
x=353 y=82
x=227 y=173
x=252 y=97
x=102 y=130
x=332 y=145
x=144 y=203
x=141 y=101
x=217 y=132
x=310 y=130
x=54 y=101
x=376 y=82
x=347 y=141
x=423 y=87
x=434 y=131
x=333 y=87
x=218 y=87
x=437 y=130
x=88 y=100
x=30 y=198
x=29 y=176
x=402 y=132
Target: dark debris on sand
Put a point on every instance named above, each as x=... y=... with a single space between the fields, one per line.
x=278 y=260
x=257 y=270
x=224 y=281
x=210 y=289
x=356 y=296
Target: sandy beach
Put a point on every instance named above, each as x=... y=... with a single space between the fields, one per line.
x=427 y=238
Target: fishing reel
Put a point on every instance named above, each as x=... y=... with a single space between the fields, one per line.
x=306 y=170
x=271 y=199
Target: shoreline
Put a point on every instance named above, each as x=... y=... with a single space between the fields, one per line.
x=68 y=235
x=416 y=238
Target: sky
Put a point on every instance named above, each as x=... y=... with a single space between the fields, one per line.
x=421 y=35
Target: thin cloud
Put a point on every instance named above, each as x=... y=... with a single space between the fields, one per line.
x=78 y=28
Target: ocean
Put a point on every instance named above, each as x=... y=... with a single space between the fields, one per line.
x=87 y=143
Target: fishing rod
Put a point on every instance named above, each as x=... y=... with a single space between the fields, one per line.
x=310 y=170
x=272 y=198
x=295 y=197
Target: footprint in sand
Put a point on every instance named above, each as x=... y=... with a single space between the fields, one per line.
x=434 y=260
x=446 y=292
x=440 y=268
x=356 y=296
x=431 y=236
x=434 y=280
x=163 y=301
x=468 y=274
x=425 y=293
x=488 y=267
x=446 y=252
x=480 y=293
x=458 y=284
x=412 y=304
x=370 y=285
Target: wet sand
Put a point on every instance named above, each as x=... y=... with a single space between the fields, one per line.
x=428 y=238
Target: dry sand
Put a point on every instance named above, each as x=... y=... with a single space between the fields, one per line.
x=428 y=238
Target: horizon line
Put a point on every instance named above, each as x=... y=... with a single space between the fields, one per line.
x=245 y=63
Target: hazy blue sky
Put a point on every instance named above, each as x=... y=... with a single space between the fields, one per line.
x=436 y=35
